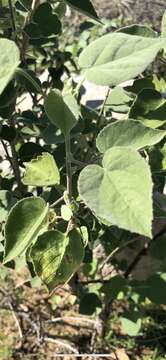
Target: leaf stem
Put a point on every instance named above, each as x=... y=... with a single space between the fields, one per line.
x=57 y=202
x=12 y=19
x=68 y=166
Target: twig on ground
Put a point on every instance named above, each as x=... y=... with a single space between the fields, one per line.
x=61 y=344
x=15 y=319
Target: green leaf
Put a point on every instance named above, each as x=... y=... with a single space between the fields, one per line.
x=86 y=7
x=158 y=247
x=155 y=288
x=9 y=61
x=128 y=133
x=163 y=25
x=41 y=171
x=26 y=220
x=56 y=257
x=120 y=191
x=66 y=212
x=89 y=303
x=117 y=57
x=25 y=77
x=140 y=30
x=47 y=254
x=149 y=107
x=114 y=287
x=48 y=23
x=62 y=111
x=72 y=259
x=131 y=323
x=119 y=100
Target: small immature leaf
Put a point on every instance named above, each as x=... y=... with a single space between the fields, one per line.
x=9 y=61
x=56 y=257
x=62 y=111
x=26 y=220
x=66 y=212
x=117 y=57
x=128 y=133
x=85 y=6
x=131 y=323
x=120 y=191
x=41 y=171
x=47 y=254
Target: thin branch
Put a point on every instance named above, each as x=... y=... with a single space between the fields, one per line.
x=16 y=169
x=68 y=166
x=71 y=318
x=142 y=253
x=12 y=19
x=117 y=250
x=15 y=319
x=61 y=344
x=102 y=109
x=57 y=202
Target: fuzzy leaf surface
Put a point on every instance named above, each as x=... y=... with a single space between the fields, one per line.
x=120 y=191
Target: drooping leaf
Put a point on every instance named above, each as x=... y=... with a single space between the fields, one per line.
x=120 y=191
x=41 y=171
x=150 y=108
x=128 y=133
x=117 y=57
x=86 y=7
x=62 y=111
x=9 y=61
x=26 y=220
x=56 y=257
x=47 y=254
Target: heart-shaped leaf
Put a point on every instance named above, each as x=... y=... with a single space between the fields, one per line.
x=128 y=133
x=9 y=61
x=62 y=111
x=26 y=220
x=117 y=57
x=41 y=171
x=120 y=191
